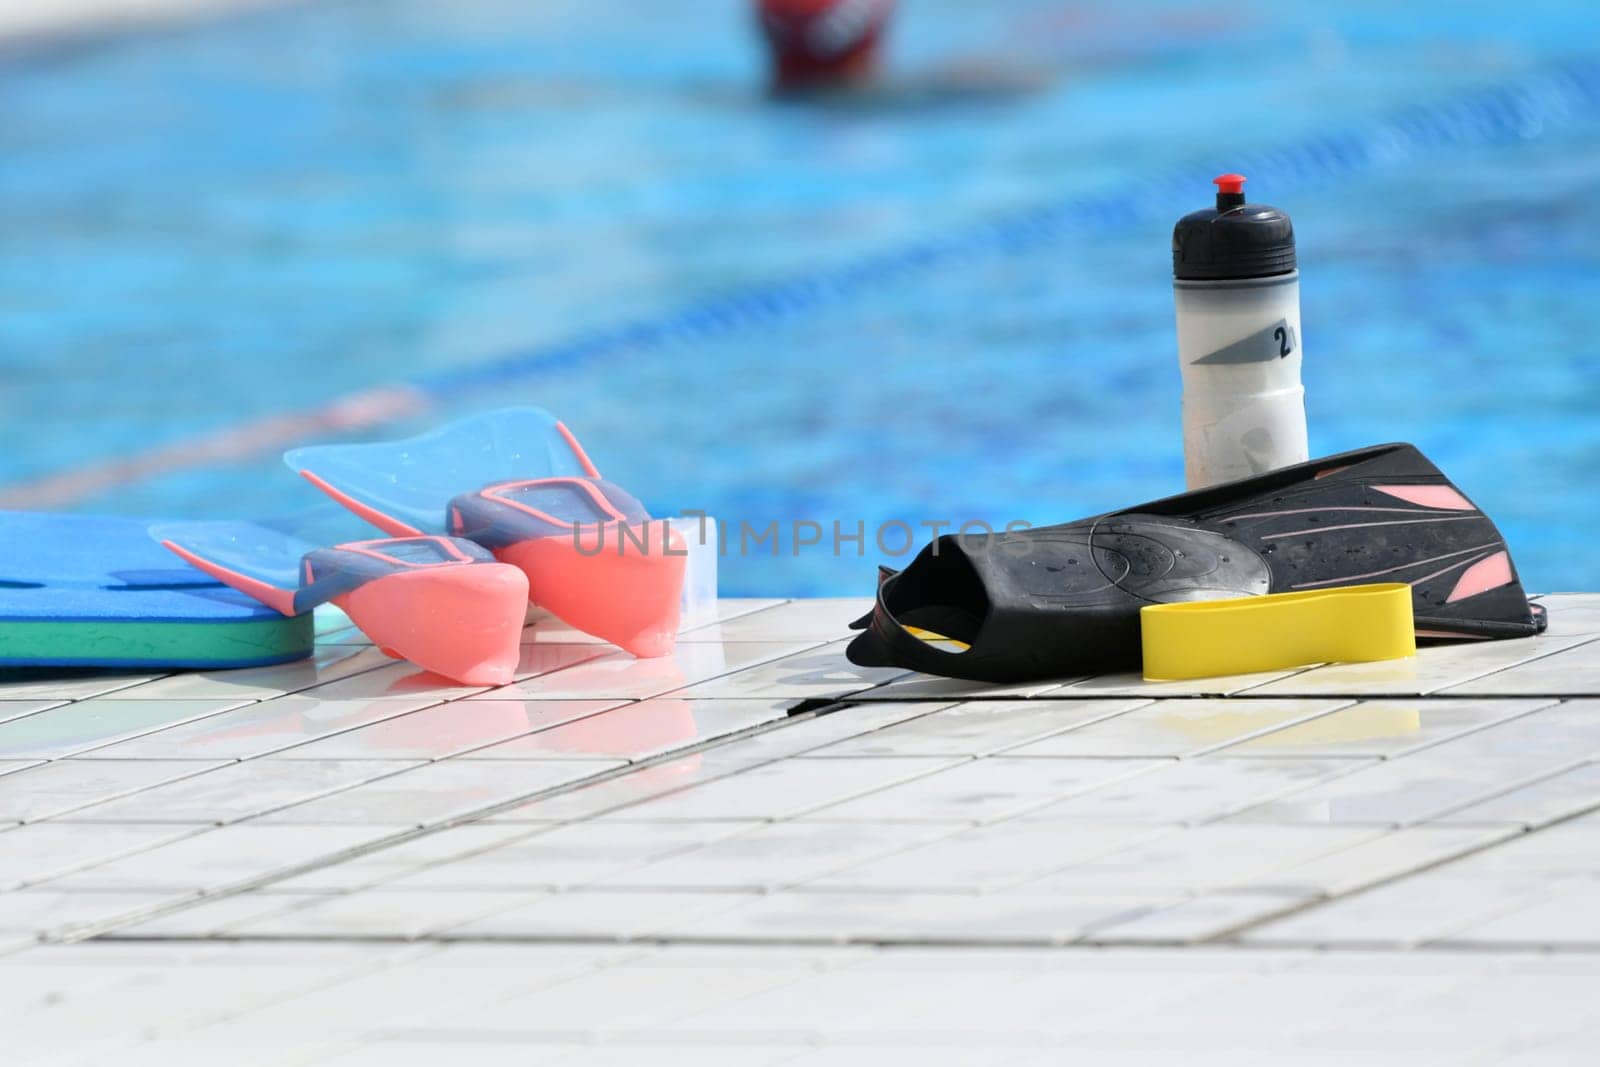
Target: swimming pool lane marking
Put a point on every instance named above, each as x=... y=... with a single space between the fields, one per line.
x=1519 y=110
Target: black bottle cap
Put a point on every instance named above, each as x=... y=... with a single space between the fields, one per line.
x=1234 y=239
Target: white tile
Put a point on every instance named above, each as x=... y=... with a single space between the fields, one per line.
x=45 y=910
x=1535 y=804
x=978 y=727
x=257 y=729
x=399 y=680
x=1377 y=859
x=1559 y=733
x=1572 y=613
x=44 y=850
x=238 y=791
x=1198 y=790
x=1384 y=728
x=16 y=709
x=58 y=685
x=63 y=786
x=1434 y=668
x=418 y=852
x=1133 y=684
x=726 y=609
x=617 y=675
x=1198 y=919
x=815 y=619
x=775 y=855
x=640 y=730
x=379 y=913
x=1422 y=908
x=992 y=918
x=1177 y=728
x=1568 y=850
x=98 y=721
x=539 y=658
x=437 y=792
x=445 y=729
x=985 y=789
x=984 y=858
x=1400 y=792
x=617 y=791
x=1566 y=919
x=932 y=687
x=219 y=858
x=782 y=790
x=1200 y=859
x=1572 y=672
x=816 y=673
x=570 y=856
x=590 y=914
x=328 y=663
x=209 y=917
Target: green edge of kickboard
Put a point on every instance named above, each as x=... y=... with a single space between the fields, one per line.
x=154 y=643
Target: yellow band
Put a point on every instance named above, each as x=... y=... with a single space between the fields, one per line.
x=1345 y=624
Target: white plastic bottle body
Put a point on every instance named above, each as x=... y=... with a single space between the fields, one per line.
x=1243 y=402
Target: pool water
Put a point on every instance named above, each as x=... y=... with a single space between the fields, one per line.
x=208 y=226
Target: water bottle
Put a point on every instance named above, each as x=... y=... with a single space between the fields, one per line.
x=1238 y=297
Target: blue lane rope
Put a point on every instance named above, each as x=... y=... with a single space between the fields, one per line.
x=1515 y=111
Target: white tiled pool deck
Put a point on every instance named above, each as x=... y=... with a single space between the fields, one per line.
x=754 y=853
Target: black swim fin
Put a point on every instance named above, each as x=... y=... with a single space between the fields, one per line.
x=1064 y=600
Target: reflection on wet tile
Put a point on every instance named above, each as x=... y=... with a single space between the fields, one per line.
x=636 y=731
x=979 y=727
x=239 y=791
x=574 y=855
x=1384 y=728
x=1194 y=790
x=617 y=675
x=1177 y=728
x=446 y=729
x=1561 y=733
x=538 y=659
x=1434 y=668
x=328 y=663
x=66 y=785
x=257 y=729
x=399 y=680
x=709 y=627
x=437 y=792
x=981 y=790
x=95 y=722
x=817 y=672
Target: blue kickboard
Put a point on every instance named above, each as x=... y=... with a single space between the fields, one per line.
x=97 y=591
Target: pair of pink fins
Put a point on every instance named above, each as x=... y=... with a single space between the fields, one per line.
x=485 y=515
